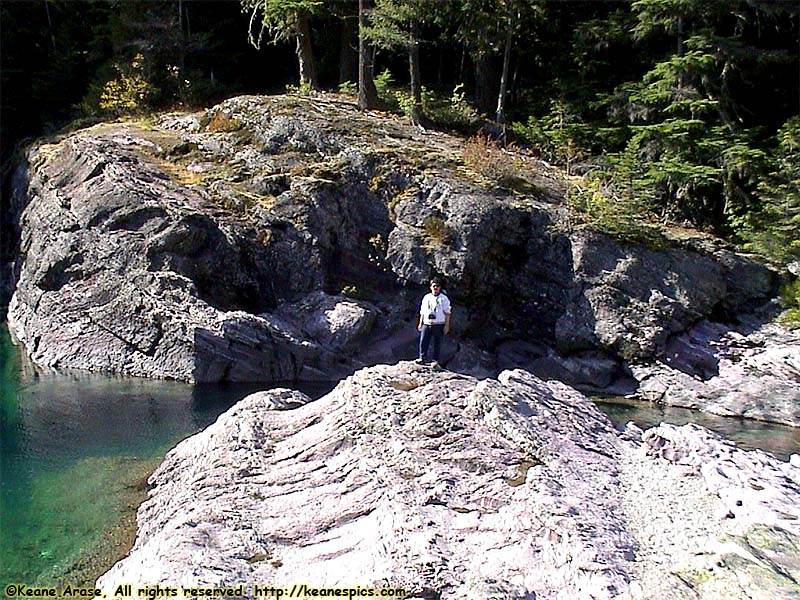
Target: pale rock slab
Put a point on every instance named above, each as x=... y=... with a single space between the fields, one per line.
x=454 y=487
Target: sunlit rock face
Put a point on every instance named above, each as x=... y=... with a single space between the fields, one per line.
x=452 y=487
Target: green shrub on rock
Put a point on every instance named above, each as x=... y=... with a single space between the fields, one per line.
x=437 y=232
x=791 y=297
x=129 y=92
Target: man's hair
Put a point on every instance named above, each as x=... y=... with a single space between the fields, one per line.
x=436 y=281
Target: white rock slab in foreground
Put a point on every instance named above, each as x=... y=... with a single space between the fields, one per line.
x=434 y=482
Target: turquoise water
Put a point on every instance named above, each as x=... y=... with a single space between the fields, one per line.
x=76 y=449
x=75 y=452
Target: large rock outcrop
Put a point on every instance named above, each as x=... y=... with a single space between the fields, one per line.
x=123 y=269
x=450 y=487
x=198 y=249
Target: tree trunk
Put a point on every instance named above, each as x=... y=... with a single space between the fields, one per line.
x=367 y=94
x=181 y=54
x=50 y=27
x=512 y=91
x=679 y=52
x=501 y=97
x=415 y=77
x=461 y=64
x=348 y=51
x=484 y=78
x=305 y=54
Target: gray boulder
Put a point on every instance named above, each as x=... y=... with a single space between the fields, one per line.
x=630 y=299
x=336 y=323
x=710 y=520
x=199 y=249
x=122 y=269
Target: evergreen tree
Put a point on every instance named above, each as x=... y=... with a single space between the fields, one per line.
x=288 y=19
x=349 y=37
x=160 y=54
x=774 y=230
x=49 y=52
x=516 y=14
x=490 y=29
x=396 y=24
x=367 y=94
x=691 y=148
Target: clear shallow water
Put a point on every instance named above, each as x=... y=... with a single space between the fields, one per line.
x=76 y=450
x=780 y=440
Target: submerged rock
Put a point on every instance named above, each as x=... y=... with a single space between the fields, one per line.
x=451 y=487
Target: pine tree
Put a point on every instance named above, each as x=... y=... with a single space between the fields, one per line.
x=685 y=134
x=367 y=94
x=288 y=20
x=491 y=30
x=774 y=230
x=396 y=24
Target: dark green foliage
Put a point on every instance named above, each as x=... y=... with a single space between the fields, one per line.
x=562 y=136
x=686 y=136
x=672 y=111
x=674 y=123
x=279 y=17
x=791 y=298
x=773 y=228
x=48 y=57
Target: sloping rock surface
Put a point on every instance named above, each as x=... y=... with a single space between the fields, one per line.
x=711 y=521
x=123 y=269
x=451 y=487
x=399 y=477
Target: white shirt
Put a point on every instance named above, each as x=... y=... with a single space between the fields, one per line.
x=439 y=305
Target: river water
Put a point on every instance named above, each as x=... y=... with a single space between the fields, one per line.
x=76 y=450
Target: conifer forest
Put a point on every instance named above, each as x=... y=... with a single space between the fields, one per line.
x=672 y=112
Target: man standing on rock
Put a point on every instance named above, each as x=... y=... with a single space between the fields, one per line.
x=434 y=321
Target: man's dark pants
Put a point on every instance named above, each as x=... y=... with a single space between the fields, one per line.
x=430 y=333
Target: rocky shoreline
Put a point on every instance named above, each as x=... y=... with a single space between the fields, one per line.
x=690 y=546
x=289 y=238
x=453 y=487
x=749 y=371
